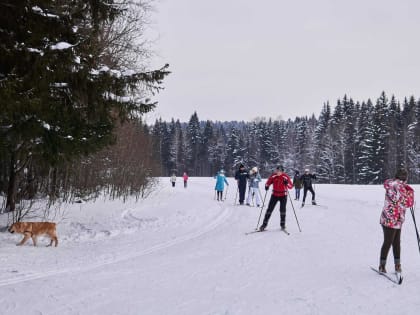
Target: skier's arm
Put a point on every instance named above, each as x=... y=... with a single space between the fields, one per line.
x=268 y=183
x=287 y=182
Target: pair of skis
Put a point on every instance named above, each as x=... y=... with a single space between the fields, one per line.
x=259 y=231
x=394 y=277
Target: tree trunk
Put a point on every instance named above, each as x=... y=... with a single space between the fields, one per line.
x=11 y=189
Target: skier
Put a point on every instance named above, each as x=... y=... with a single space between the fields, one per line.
x=281 y=183
x=306 y=180
x=253 y=190
x=297 y=183
x=173 y=179
x=398 y=197
x=185 y=177
x=220 y=184
x=241 y=177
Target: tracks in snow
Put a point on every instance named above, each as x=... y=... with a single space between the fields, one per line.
x=18 y=278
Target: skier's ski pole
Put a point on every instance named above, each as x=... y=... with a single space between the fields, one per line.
x=293 y=207
x=415 y=226
x=236 y=195
x=215 y=192
x=227 y=189
x=262 y=207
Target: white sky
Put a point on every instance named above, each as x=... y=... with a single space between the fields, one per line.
x=241 y=59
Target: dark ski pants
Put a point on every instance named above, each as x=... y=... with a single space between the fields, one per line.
x=220 y=195
x=185 y=184
x=242 y=189
x=271 y=205
x=297 y=193
x=305 y=191
x=391 y=237
x=173 y=184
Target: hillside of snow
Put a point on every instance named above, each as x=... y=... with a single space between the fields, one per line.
x=182 y=252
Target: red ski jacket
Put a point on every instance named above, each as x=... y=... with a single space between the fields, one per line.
x=279 y=188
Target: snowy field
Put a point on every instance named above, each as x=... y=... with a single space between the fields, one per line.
x=182 y=252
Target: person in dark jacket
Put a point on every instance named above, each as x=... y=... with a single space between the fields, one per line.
x=307 y=185
x=241 y=177
x=281 y=183
x=297 y=183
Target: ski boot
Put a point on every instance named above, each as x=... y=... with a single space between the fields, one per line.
x=314 y=202
x=262 y=228
x=382 y=268
x=398 y=268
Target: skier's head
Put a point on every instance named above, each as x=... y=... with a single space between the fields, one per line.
x=401 y=174
x=296 y=172
x=254 y=170
x=241 y=166
x=306 y=170
x=222 y=171
x=280 y=169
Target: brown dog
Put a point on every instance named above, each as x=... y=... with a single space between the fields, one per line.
x=33 y=230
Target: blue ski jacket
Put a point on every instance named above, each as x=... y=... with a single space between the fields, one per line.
x=220 y=182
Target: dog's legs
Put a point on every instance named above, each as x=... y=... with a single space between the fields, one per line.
x=34 y=239
x=25 y=238
x=53 y=239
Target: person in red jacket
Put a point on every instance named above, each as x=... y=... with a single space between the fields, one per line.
x=281 y=183
x=185 y=177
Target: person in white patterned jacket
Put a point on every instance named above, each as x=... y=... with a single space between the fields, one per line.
x=398 y=197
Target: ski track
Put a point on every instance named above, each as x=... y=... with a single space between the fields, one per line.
x=226 y=270
x=220 y=219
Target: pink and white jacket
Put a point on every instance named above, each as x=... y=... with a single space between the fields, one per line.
x=398 y=197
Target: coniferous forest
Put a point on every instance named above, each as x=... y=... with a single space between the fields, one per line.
x=351 y=142
x=74 y=86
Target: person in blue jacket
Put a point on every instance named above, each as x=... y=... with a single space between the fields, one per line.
x=220 y=184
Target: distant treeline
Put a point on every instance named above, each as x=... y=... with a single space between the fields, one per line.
x=351 y=143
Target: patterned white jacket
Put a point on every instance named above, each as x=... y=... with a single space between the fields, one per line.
x=398 y=197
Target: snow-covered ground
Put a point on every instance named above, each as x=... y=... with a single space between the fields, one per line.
x=182 y=252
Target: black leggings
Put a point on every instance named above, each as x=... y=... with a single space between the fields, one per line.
x=391 y=237
x=305 y=191
x=271 y=205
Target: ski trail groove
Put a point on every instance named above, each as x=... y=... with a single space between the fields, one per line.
x=221 y=218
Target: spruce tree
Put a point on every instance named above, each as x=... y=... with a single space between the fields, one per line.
x=58 y=97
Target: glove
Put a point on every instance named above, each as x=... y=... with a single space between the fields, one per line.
x=266 y=187
x=285 y=182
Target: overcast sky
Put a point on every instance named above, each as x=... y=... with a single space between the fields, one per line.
x=241 y=59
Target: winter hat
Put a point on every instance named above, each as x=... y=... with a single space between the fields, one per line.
x=255 y=169
x=222 y=171
x=297 y=172
x=280 y=168
x=401 y=174
x=307 y=170
x=241 y=165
